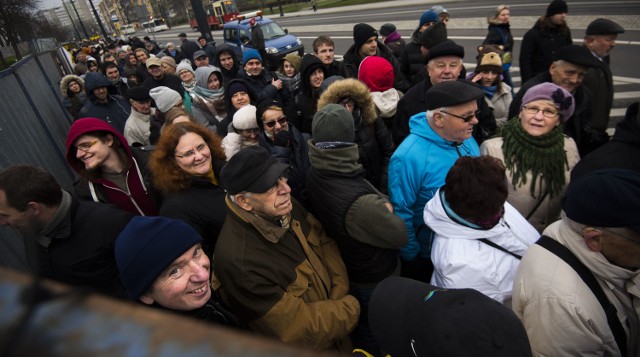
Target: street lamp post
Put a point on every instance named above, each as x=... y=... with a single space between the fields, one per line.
x=72 y=23
x=86 y=34
x=95 y=13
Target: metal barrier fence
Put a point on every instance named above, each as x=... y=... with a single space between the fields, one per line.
x=33 y=121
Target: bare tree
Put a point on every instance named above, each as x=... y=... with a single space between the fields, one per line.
x=15 y=18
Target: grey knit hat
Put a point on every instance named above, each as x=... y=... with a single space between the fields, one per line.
x=333 y=123
x=165 y=98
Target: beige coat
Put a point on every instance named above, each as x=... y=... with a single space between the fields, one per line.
x=560 y=313
x=500 y=103
x=520 y=197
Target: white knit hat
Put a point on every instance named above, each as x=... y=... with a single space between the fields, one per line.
x=245 y=118
x=165 y=98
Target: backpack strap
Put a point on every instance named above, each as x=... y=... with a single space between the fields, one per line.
x=587 y=276
x=498 y=247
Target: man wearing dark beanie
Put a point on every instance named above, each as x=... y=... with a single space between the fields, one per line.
x=541 y=43
x=577 y=289
x=365 y=43
x=346 y=203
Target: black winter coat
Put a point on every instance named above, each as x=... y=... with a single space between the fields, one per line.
x=539 y=48
x=84 y=255
x=261 y=88
x=201 y=206
x=500 y=34
x=307 y=99
x=411 y=59
x=292 y=151
x=622 y=152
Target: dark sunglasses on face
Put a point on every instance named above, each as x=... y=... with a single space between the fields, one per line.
x=467 y=118
x=282 y=120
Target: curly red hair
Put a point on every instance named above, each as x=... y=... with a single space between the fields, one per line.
x=167 y=176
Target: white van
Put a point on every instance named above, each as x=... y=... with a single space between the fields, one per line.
x=127 y=29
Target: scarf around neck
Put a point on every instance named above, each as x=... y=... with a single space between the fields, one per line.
x=544 y=156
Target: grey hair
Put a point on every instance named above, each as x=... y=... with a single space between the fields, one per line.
x=244 y=193
x=430 y=113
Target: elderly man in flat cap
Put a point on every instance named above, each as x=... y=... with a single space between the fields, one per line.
x=420 y=164
x=577 y=290
x=568 y=71
x=444 y=63
x=600 y=39
x=274 y=265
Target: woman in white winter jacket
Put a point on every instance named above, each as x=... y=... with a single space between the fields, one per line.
x=479 y=237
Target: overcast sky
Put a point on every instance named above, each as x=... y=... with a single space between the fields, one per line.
x=49 y=4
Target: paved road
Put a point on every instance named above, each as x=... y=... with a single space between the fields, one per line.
x=468 y=27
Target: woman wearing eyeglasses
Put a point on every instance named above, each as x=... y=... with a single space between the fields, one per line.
x=285 y=143
x=108 y=170
x=186 y=167
x=538 y=157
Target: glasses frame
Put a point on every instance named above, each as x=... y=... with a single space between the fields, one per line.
x=84 y=147
x=282 y=121
x=189 y=154
x=544 y=112
x=466 y=119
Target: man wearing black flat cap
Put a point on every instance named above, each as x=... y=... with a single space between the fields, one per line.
x=419 y=166
x=365 y=43
x=568 y=71
x=274 y=264
x=600 y=39
x=444 y=63
x=541 y=43
x=577 y=290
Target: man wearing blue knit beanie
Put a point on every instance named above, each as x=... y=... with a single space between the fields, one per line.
x=263 y=83
x=162 y=264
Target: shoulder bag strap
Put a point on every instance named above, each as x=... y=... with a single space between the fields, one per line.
x=498 y=247
x=587 y=276
x=537 y=205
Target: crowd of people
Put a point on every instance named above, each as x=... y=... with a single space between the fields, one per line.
x=392 y=202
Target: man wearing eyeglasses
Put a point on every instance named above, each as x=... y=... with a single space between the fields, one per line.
x=274 y=264
x=419 y=166
x=577 y=290
x=568 y=71
x=444 y=63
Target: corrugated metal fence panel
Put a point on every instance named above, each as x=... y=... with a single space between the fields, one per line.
x=33 y=125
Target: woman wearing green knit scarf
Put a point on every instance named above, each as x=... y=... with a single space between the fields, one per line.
x=538 y=157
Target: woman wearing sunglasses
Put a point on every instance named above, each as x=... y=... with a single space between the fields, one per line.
x=537 y=155
x=186 y=167
x=285 y=143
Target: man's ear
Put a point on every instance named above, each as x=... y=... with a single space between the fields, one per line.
x=146 y=298
x=34 y=208
x=592 y=237
x=243 y=202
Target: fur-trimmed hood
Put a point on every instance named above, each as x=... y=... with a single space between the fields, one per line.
x=355 y=90
x=64 y=83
